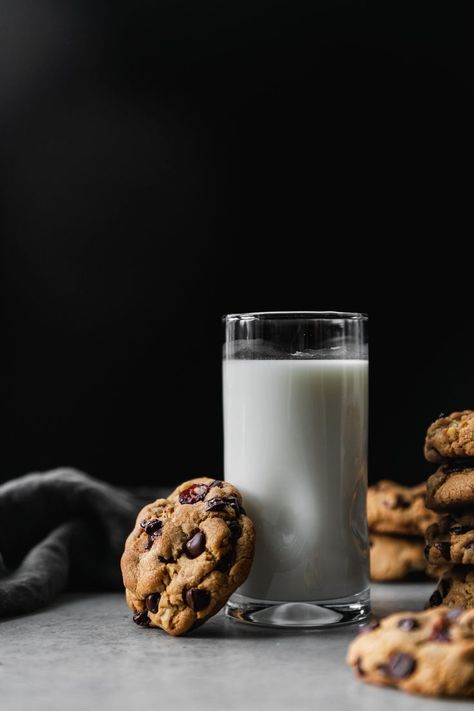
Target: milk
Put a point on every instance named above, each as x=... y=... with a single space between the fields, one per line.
x=295 y=445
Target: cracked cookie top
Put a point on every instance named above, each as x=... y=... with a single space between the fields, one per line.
x=186 y=555
x=450 y=436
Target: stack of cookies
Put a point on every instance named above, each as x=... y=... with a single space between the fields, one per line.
x=397 y=519
x=450 y=491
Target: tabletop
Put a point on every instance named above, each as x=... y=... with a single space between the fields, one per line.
x=84 y=652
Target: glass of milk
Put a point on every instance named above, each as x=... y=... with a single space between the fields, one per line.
x=295 y=440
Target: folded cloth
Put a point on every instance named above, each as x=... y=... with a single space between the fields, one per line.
x=61 y=529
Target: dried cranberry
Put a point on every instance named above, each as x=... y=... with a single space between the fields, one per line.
x=193 y=494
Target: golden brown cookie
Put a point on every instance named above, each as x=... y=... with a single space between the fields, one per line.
x=450 y=436
x=451 y=540
x=455 y=588
x=429 y=652
x=186 y=555
x=394 y=558
x=450 y=487
x=397 y=509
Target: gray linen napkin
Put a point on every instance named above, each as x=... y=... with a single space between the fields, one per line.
x=61 y=529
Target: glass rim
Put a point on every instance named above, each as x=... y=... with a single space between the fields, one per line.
x=298 y=316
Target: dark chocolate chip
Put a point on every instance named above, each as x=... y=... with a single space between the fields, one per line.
x=407 y=624
x=435 y=599
x=426 y=551
x=196 y=598
x=196 y=545
x=152 y=601
x=235 y=531
x=193 y=494
x=218 y=503
x=141 y=619
x=162 y=559
x=225 y=563
x=469 y=546
x=216 y=483
x=457 y=529
x=152 y=527
x=457 y=466
x=445 y=585
x=444 y=549
x=399 y=666
x=372 y=625
x=358 y=666
x=151 y=539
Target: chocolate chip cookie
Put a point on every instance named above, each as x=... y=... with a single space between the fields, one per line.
x=395 y=558
x=451 y=487
x=393 y=508
x=451 y=540
x=450 y=436
x=429 y=653
x=455 y=588
x=186 y=555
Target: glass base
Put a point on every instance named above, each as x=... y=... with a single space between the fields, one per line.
x=301 y=615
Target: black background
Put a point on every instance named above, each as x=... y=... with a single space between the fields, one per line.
x=168 y=162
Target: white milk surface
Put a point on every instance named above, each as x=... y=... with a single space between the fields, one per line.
x=296 y=447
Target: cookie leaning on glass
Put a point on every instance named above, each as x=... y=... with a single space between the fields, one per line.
x=186 y=555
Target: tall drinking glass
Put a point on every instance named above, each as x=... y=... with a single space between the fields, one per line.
x=295 y=441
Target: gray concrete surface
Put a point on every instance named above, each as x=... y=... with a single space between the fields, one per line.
x=85 y=653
